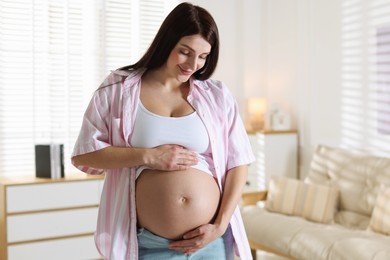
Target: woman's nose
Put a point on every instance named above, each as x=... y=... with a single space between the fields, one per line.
x=193 y=63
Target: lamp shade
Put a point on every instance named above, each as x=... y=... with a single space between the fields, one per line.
x=256 y=109
x=257 y=106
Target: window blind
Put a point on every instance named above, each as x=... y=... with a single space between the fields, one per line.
x=365 y=28
x=53 y=54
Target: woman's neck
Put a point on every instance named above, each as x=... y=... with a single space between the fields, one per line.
x=161 y=78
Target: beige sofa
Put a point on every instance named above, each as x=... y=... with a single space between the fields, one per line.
x=359 y=226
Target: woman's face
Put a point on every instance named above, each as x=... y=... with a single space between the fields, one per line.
x=188 y=56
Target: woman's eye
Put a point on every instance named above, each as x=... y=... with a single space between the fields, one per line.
x=185 y=52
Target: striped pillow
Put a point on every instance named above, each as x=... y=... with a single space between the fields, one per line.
x=380 y=219
x=294 y=197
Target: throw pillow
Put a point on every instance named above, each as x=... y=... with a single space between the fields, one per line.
x=282 y=196
x=380 y=219
x=314 y=202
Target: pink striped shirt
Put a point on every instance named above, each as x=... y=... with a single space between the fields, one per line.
x=109 y=120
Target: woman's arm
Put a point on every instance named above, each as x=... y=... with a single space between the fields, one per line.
x=164 y=157
x=234 y=184
x=203 y=235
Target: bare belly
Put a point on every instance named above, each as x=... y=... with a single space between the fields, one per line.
x=171 y=203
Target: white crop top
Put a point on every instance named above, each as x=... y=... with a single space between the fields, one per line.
x=152 y=130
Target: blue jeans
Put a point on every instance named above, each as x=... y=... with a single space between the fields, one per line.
x=151 y=246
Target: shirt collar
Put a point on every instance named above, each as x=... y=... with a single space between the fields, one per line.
x=198 y=83
x=127 y=73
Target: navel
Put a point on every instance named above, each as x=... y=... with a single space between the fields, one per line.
x=183 y=199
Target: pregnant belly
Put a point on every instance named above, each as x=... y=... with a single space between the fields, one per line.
x=171 y=203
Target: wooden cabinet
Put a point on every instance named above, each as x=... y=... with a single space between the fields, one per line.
x=49 y=219
x=276 y=153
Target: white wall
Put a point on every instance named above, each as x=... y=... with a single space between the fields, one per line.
x=320 y=64
x=297 y=54
x=260 y=53
x=239 y=28
x=319 y=117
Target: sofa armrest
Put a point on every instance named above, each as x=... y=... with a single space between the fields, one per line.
x=251 y=198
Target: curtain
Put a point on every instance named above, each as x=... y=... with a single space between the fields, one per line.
x=53 y=55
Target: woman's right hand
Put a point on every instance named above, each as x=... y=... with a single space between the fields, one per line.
x=171 y=157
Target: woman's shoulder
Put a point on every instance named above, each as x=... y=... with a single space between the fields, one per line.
x=210 y=83
x=118 y=77
x=216 y=87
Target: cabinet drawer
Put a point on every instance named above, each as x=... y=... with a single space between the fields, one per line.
x=52 y=195
x=43 y=225
x=78 y=248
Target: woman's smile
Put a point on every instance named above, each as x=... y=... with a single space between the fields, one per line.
x=186 y=72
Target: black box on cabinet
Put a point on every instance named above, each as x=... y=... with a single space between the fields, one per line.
x=49 y=161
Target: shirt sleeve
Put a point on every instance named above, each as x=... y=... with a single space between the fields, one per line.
x=238 y=146
x=94 y=133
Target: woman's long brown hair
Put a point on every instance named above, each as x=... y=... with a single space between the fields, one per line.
x=184 y=20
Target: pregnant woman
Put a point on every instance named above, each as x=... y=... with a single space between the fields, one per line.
x=173 y=149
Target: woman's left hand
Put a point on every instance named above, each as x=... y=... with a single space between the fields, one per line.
x=197 y=239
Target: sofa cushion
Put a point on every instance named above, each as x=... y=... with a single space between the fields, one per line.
x=294 y=197
x=270 y=229
x=359 y=176
x=337 y=242
x=380 y=220
x=352 y=220
x=302 y=239
x=361 y=246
